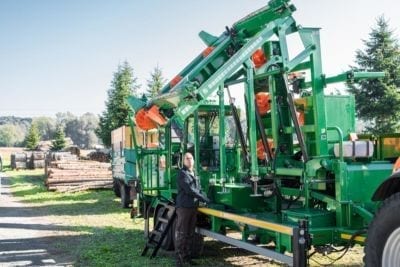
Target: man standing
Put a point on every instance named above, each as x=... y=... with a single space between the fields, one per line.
x=186 y=210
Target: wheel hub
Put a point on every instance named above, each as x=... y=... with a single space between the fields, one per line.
x=391 y=251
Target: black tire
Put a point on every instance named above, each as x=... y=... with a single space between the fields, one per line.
x=125 y=195
x=168 y=242
x=116 y=187
x=384 y=230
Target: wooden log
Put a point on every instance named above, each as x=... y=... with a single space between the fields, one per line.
x=20 y=165
x=65 y=181
x=19 y=157
x=82 y=187
x=56 y=172
x=80 y=176
x=79 y=165
x=38 y=155
x=37 y=164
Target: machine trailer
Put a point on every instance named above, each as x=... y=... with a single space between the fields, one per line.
x=286 y=168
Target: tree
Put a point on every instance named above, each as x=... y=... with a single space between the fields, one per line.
x=155 y=83
x=63 y=118
x=81 y=130
x=378 y=100
x=11 y=135
x=117 y=109
x=33 y=137
x=59 y=139
x=46 y=127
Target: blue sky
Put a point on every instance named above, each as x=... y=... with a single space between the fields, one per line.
x=60 y=55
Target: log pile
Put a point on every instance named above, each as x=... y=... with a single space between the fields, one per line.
x=18 y=161
x=100 y=156
x=28 y=160
x=78 y=175
x=37 y=160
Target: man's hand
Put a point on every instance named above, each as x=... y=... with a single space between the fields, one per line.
x=206 y=200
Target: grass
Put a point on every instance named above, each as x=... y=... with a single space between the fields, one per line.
x=97 y=232
x=103 y=233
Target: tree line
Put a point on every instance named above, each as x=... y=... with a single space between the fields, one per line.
x=28 y=132
x=87 y=130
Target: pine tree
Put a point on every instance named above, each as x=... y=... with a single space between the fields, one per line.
x=155 y=83
x=378 y=100
x=33 y=137
x=59 y=140
x=117 y=109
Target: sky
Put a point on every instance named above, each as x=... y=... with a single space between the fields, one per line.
x=60 y=55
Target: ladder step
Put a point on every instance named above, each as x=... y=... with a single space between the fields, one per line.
x=152 y=244
x=156 y=232
x=157 y=236
x=163 y=220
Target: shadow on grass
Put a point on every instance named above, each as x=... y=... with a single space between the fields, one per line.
x=73 y=209
x=100 y=247
x=96 y=202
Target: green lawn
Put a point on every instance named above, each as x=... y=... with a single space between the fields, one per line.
x=97 y=232
x=100 y=233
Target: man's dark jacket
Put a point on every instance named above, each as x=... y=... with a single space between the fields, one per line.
x=188 y=190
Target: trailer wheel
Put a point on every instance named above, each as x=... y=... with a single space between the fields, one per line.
x=383 y=236
x=116 y=187
x=125 y=196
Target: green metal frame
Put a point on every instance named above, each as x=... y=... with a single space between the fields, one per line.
x=333 y=194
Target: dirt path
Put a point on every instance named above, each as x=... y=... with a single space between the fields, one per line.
x=26 y=238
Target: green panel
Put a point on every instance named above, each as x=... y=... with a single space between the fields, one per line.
x=130 y=165
x=237 y=196
x=363 y=179
x=340 y=112
x=315 y=217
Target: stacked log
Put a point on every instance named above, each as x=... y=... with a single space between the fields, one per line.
x=100 y=156
x=37 y=160
x=27 y=160
x=78 y=175
x=53 y=156
x=18 y=161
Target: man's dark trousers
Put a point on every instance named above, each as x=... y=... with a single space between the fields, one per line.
x=185 y=229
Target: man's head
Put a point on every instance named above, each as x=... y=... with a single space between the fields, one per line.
x=188 y=161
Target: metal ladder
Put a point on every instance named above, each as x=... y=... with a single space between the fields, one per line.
x=161 y=228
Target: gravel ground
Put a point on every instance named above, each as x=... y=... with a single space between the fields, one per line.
x=25 y=238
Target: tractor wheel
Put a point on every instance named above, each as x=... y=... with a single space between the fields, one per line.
x=116 y=187
x=383 y=237
x=125 y=195
x=168 y=242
